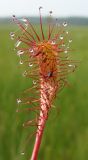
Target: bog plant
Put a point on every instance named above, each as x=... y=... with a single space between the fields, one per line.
x=46 y=57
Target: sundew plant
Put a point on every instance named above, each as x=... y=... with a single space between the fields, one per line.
x=47 y=61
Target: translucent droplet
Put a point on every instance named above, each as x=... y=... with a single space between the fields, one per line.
x=12 y=35
x=22 y=153
x=17 y=43
x=21 y=62
x=71 y=65
x=30 y=64
x=66 y=32
x=61 y=37
x=24 y=19
x=70 y=40
x=20 y=52
x=19 y=101
x=31 y=50
x=53 y=42
x=25 y=73
x=65 y=24
x=34 y=82
x=65 y=51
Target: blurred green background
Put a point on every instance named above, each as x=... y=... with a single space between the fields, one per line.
x=66 y=132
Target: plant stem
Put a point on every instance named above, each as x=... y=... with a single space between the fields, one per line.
x=37 y=142
x=45 y=104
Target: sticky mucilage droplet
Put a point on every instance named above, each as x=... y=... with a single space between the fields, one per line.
x=30 y=64
x=17 y=43
x=53 y=42
x=70 y=40
x=31 y=50
x=34 y=82
x=65 y=51
x=12 y=35
x=20 y=52
x=24 y=74
x=65 y=24
x=19 y=101
x=61 y=37
x=67 y=32
x=21 y=62
x=22 y=153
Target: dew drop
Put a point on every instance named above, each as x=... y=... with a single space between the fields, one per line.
x=53 y=42
x=20 y=52
x=70 y=40
x=25 y=23
x=22 y=153
x=24 y=74
x=30 y=64
x=21 y=62
x=65 y=51
x=71 y=65
x=61 y=37
x=24 y=19
x=34 y=82
x=19 y=101
x=17 y=43
x=12 y=35
x=65 y=24
x=31 y=50
x=66 y=32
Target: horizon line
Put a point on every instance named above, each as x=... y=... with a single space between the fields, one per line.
x=36 y=16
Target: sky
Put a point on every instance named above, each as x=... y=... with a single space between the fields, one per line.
x=30 y=7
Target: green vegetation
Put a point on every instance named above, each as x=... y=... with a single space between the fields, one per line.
x=66 y=133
